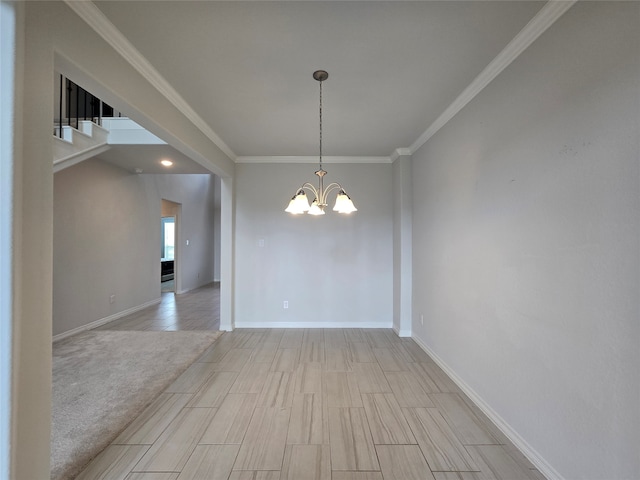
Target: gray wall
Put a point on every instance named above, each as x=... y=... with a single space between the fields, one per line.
x=107 y=237
x=334 y=270
x=525 y=237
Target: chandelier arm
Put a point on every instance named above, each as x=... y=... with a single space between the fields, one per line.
x=330 y=188
x=311 y=188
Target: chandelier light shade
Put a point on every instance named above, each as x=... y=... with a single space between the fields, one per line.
x=299 y=203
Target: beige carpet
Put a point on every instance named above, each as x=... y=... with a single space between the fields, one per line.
x=103 y=379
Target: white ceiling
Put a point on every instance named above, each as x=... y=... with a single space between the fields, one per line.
x=147 y=159
x=245 y=67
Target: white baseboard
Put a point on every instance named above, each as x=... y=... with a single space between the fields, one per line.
x=401 y=333
x=534 y=457
x=313 y=325
x=187 y=290
x=102 y=321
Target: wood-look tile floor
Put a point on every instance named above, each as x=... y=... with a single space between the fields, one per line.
x=298 y=404
x=195 y=310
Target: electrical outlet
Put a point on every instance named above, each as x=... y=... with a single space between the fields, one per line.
x=421 y=319
x=285 y=304
x=112 y=299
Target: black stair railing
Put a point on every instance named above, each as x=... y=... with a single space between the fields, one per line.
x=75 y=104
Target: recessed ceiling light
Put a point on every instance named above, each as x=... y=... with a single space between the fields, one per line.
x=166 y=163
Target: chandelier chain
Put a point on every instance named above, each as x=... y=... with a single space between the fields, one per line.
x=320 y=125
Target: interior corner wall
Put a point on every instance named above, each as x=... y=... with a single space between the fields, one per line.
x=227 y=252
x=32 y=253
x=12 y=344
x=107 y=239
x=525 y=235
x=333 y=270
x=402 y=203
x=217 y=227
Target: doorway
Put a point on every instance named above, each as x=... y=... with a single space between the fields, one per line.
x=169 y=246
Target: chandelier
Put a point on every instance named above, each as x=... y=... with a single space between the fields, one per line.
x=299 y=203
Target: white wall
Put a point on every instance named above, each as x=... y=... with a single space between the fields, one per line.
x=334 y=270
x=525 y=237
x=107 y=239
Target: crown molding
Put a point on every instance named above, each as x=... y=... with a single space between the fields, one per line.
x=310 y=159
x=400 y=152
x=98 y=21
x=547 y=15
